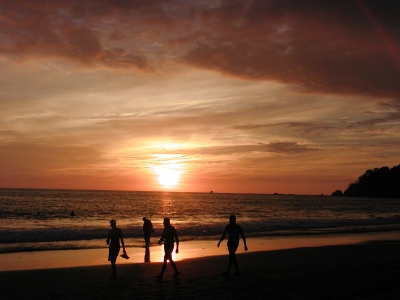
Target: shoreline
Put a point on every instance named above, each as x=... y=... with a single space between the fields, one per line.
x=357 y=271
x=55 y=259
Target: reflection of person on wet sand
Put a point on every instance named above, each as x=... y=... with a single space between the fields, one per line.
x=148 y=229
x=169 y=235
x=114 y=236
x=233 y=230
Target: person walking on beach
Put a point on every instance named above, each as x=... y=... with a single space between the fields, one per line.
x=233 y=230
x=114 y=236
x=169 y=235
x=148 y=229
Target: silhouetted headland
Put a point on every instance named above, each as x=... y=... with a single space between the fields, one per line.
x=379 y=182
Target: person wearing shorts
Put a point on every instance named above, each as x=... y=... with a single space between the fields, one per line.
x=234 y=232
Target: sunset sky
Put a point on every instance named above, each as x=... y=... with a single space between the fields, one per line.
x=232 y=96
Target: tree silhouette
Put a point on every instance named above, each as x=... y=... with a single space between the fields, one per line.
x=379 y=182
x=337 y=193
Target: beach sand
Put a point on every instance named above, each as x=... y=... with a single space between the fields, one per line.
x=360 y=271
x=189 y=249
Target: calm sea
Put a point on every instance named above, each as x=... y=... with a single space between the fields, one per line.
x=41 y=219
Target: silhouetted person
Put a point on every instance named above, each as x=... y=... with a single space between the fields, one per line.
x=169 y=235
x=148 y=229
x=233 y=230
x=114 y=236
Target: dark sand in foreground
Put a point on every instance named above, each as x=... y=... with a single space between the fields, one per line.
x=365 y=271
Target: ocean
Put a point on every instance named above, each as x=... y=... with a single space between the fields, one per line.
x=33 y=220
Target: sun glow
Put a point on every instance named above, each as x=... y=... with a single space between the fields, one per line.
x=168 y=175
x=167 y=163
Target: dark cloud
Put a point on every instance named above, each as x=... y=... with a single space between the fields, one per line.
x=288 y=148
x=382 y=119
x=349 y=47
x=328 y=46
x=303 y=127
x=64 y=29
x=291 y=148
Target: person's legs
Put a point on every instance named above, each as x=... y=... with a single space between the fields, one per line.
x=112 y=257
x=173 y=265
x=164 y=266
x=167 y=256
x=147 y=241
x=231 y=260
x=232 y=257
x=114 y=269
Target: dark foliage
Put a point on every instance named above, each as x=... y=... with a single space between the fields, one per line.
x=337 y=193
x=379 y=182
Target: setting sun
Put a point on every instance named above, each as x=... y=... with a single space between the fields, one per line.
x=168 y=175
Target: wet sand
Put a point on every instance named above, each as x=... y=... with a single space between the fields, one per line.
x=189 y=249
x=360 y=271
